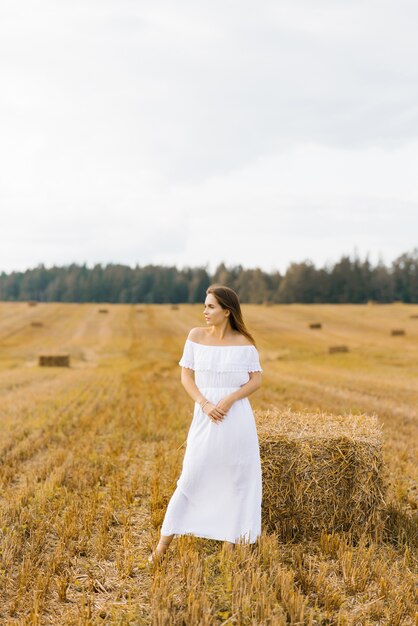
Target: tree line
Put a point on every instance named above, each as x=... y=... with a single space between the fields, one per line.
x=350 y=280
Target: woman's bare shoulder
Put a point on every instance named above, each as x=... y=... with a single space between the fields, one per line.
x=242 y=340
x=200 y=334
x=196 y=334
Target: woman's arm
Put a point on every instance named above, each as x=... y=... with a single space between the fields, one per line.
x=252 y=385
x=187 y=380
x=248 y=388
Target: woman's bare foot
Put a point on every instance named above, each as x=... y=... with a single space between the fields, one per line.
x=160 y=550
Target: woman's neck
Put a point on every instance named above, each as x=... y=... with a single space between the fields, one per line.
x=221 y=332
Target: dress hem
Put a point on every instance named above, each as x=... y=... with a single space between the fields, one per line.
x=208 y=537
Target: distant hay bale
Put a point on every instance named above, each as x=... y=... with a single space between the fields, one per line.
x=268 y=303
x=37 y=324
x=397 y=332
x=140 y=311
x=333 y=349
x=370 y=302
x=174 y=307
x=103 y=310
x=54 y=360
x=414 y=317
x=315 y=325
x=321 y=472
x=32 y=303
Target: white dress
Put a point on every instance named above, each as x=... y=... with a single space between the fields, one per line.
x=218 y=494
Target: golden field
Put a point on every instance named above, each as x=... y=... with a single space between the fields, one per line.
x=90 y=456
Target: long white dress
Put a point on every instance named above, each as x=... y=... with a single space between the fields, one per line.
x=218 y=494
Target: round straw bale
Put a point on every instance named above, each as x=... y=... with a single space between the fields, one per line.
x=54 y=360
x=32 y=303
x=174 y=307
x=37 y=324
x=103 y=310
x=397 y=332
x=333 y=349
x=320 y=473
x=414 y=317
x=315 y=325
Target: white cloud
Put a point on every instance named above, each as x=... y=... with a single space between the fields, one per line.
x=154 y=126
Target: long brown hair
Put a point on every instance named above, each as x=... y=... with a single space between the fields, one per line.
x=228 y=299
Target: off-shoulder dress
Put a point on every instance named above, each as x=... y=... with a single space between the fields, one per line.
x=218 y=494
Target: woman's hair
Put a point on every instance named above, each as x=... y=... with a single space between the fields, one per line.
x=228 y=299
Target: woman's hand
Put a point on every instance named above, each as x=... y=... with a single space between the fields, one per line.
x=217 y=412
x=214 y=412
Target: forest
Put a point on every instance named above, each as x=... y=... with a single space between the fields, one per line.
x=350 y=280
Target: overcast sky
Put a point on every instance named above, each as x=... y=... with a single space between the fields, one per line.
x=190 y=133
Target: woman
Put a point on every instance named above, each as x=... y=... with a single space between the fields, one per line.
x=218 y=494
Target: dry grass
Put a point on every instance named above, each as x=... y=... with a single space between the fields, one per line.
x=334 y=349
x=90 y=456
x=321 y=472
x=54 y=360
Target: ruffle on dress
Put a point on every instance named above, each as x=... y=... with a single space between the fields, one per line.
x=205 y=358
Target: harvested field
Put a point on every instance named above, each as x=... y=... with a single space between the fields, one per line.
x=334 y=349
x=90 y=456
x=321 y=473
x=54 y=360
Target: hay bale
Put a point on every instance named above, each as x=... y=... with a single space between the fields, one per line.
x=37 y=324
x=174 y=307
x=54 y=360
x=103 y=310
x=268 y=303
x=32 y=303
x=397 y=332
x=333 y=349
x=321 y=472
x=315 y=325
x=140 y=311
x=414 y=317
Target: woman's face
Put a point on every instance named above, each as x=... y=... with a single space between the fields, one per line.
x=213 y=312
